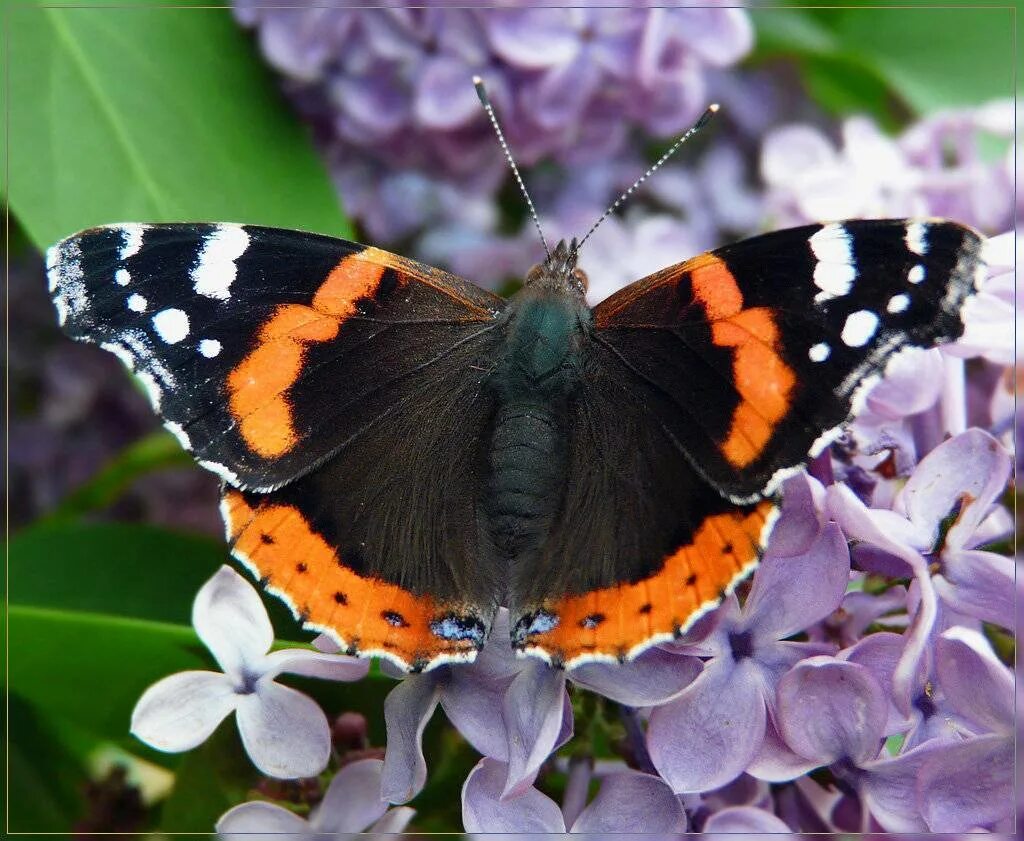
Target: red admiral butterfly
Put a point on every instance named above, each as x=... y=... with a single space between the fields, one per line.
x=403 y=451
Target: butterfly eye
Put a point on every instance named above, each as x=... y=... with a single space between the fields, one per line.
x=581 y=278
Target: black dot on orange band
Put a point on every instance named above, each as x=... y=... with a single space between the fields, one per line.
x=726 y=548
x=394 y=619
x=592 y=620
x=340 y=598
x=691 y=579
x=301 y=567
x=267 y=538
x=646 y=608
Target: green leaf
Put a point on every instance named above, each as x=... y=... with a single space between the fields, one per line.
x=935 y=57
x=44 y=777
x=152 y=114
x=886 y=61
x=90 y=670
x=116 y=569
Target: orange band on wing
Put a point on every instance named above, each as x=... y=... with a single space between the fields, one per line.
x=258 y=385
x=761 y=378
x=622 y=620
x=364 y=615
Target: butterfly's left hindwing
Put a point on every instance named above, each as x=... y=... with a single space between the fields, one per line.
x=751 y=355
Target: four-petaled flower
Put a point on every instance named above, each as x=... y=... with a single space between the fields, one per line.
x=284 y=732
x=714 y=730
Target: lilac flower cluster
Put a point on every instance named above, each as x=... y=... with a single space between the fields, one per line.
x=413 y=155
x=860 y=651
x=935 y=168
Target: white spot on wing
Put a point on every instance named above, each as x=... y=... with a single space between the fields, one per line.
x=917 y=238
x=833 y=279
x=209 y=348
x=820 y=352
x=131 y=240
x=898 y=303
x=215 y=271
x=859 y=328
x=171 y=325
x=136 y=303
x=916 y=274
x=835 y=271
x=832 y=244
x=122 y=277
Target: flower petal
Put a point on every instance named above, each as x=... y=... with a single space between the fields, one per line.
x=889 y=788
x=407 y=709
x=485 y=810
x=472 y=701
x=744 y=820
x=232 y=622
x=302 y=661
x=708 y=735
x=260 y=820
x=284 y=732
x=182 y=710
x=790 y=593
x=880 y=653
x=775 y=762
x=977 y=685
x=631 y=802
x=829 y=709
x=533 y=711
x=352 y=801
x=533 y=38
x=971 y=469
x=653 y=678
x=980 y=584
x=394 y=821
x=967 y=784
x=799 y=524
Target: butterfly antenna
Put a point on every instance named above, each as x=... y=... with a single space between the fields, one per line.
x=485 y=100
x=697 y=126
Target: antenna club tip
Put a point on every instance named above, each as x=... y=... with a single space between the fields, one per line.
x=713 y=107
x=481 y=91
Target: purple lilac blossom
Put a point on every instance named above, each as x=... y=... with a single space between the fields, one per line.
x=725 y=713
x=626 y=802
x=933 y=169
x=969 y=785
x=284 y=732
x=834 y=713
x=388 y=92
x=351 y=804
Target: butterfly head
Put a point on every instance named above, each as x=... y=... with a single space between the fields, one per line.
x=559 y=271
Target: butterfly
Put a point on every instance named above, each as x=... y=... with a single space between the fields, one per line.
x=403 y=451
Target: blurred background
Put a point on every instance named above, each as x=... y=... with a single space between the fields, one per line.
x=363 y=123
